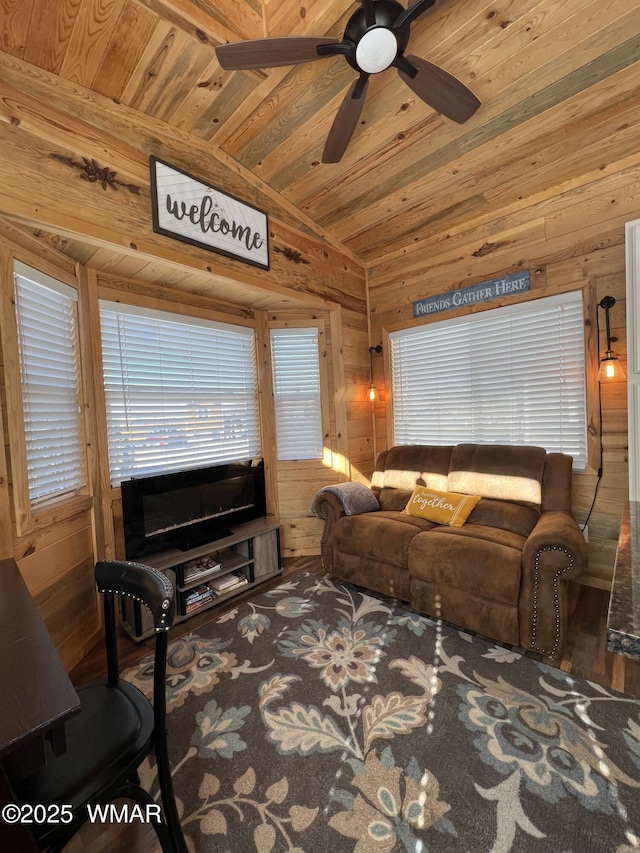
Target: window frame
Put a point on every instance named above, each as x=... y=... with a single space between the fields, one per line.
x=591 y=358
x=27 y=517
x=632 y=286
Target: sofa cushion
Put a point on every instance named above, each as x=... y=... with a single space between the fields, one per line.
x=381 y=536
x=480 y=560
x=488 y=534
x=505 y=515
x=394 y=499
x=407 y=466
x=442 y=507
x=498 y=471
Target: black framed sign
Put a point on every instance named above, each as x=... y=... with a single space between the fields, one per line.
x=192 y=211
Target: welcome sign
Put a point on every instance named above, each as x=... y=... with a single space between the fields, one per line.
x=194 y=212
x=517 y=282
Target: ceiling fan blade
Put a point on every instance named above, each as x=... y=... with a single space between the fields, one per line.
x=441 y=90
x=413 y=12
x=369 y=12
x=345 y=121
x=270 y=52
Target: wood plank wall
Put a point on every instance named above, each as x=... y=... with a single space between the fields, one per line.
x=573 y=238
x=46 y=118
x=347 y=448
x=572 y=235
x=347 y=444
x=57 y=559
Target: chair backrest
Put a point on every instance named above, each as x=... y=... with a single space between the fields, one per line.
x=153 y=589
x=146 y=585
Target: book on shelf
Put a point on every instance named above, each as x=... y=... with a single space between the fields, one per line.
x=192 y=569
x=199 y=595
x=196 y=597
x=203 y=596
x=191 y=608
x=203 y=590
x=228 y=581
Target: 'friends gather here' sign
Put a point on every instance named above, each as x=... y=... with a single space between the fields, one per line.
x=508 y=285
x=194 y=212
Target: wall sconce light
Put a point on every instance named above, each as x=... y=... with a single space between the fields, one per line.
x=373 y=394
x=610 y=367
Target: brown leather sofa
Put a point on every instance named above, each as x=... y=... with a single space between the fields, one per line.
x=503 y=574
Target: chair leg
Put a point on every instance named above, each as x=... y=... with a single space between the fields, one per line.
x=168 y=796
x=59 y=846
x=143 y=798
x=160 y=746
x=63 y=834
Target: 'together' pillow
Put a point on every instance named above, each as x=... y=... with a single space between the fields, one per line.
x=441 y=507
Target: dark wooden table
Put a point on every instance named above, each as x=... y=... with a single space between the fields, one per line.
x=37 y=694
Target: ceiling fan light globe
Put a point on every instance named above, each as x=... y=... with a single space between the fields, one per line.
x=376 y=50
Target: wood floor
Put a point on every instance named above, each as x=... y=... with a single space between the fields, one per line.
x=585 y=655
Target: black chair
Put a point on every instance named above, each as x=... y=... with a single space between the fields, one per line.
x=115 y=728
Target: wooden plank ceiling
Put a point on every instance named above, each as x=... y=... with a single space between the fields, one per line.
x=559 y=82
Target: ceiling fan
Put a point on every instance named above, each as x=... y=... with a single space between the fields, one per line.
x=374 y=39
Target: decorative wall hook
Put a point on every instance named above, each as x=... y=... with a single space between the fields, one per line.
x=95 y=174
x=291 y=254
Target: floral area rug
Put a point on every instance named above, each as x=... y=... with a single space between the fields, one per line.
x=315 y=717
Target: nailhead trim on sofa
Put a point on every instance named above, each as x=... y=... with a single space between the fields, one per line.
x=556 y=599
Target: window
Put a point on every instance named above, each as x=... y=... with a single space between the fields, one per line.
x=180 y=392
x=512 y=375
x=49 y=377
x=297 y=393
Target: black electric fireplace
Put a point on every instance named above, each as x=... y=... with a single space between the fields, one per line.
x=188 y=508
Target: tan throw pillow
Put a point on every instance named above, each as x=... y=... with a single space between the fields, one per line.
x=442 y=507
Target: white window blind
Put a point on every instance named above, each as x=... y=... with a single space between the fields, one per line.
x=180 y=392
x=297 y=393
x=512 y=375
x=49 y=373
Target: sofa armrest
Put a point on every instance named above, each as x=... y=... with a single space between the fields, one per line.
x=334 y=502
x=554 y=553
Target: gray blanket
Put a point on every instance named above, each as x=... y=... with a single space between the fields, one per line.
x=355 y=498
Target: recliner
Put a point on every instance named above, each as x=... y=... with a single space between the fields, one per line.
x=503 y=574
x=116 y=727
